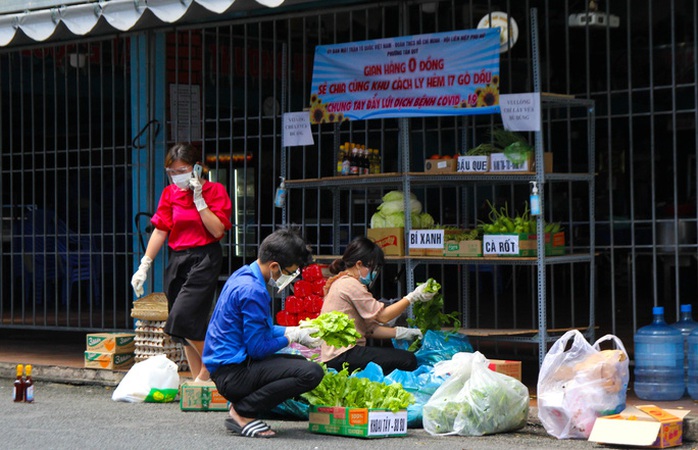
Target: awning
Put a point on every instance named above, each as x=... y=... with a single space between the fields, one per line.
x=113 y=16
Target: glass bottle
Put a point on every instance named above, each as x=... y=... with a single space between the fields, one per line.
x=365 y=163
x=28 y=385
x=346 y=161
x=340 y=158
x=18 y=388
x=354 y=161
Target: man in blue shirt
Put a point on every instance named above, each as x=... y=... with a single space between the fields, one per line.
x=242 y=341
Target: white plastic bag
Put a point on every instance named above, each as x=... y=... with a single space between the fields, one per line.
x=153 y=380
x=580 y=383
x=475 y=400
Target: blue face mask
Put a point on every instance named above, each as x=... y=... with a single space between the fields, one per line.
x=369 y=278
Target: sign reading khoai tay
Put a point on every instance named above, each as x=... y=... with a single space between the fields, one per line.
x=439 y=74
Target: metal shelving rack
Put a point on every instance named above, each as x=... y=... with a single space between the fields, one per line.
x=405 y=180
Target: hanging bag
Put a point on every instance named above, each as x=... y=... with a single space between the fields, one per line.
x=579 y=382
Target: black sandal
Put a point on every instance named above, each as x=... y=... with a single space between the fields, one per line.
x=252 y=429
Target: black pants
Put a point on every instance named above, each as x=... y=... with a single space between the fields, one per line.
x=388 y=358
x=255 y=387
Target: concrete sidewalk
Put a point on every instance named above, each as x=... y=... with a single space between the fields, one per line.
x=62 y=361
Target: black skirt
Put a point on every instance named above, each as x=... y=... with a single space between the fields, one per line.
x=191 y=278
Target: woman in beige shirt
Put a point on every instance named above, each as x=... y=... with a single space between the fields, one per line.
x=348 y=292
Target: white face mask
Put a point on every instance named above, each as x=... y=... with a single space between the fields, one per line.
x=283 y=280
x=181 y=180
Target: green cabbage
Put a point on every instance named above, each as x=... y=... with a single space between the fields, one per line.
x=396 y=195
x=399 y=205
x=378 y=220
x=426 y=222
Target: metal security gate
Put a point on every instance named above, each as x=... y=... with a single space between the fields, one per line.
x=70 y=113
x=66 y=229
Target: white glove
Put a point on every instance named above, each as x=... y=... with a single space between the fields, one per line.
x=141 y=275
x=303 y=336
x=408 y=334
x=418 y=295
x=195 y=184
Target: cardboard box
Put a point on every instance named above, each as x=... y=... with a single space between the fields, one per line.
x=440 y=165
x=111 y=342
x=391 y=240
x=641 y=426
x=357 y=422
x=473 y=164
x=470 y=248
x=109 y=361
x=506 y=367
x=201 y=396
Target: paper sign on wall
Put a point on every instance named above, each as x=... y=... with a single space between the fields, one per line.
x=296 y=129
x=520 y=112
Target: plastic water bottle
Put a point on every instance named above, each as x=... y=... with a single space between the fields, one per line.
x=685 y=325
x=692 y=383
x=659 y=360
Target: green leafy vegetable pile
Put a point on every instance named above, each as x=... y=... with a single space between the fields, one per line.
x=501 y=222
x=430 y=316
x=512 y=144
x=457 y=234
x=341 y=389
x=335 y=328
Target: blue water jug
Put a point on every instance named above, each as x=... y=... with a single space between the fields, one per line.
x=692 y=382
x=685 y=325
x=659 y=360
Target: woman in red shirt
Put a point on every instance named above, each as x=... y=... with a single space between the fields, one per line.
x=192 y=216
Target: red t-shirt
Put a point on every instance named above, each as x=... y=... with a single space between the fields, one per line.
x=177 y=215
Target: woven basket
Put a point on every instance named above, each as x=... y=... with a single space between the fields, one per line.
x=151 y=307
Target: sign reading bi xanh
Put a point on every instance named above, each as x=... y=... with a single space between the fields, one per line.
x=427 y=239
x=439 y=74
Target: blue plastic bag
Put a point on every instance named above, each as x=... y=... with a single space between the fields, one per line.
x=438 y=346
x=421 y=383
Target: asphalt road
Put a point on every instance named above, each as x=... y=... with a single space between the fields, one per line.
x=71 y=417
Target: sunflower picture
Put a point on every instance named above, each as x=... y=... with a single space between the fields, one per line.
x=489 y=96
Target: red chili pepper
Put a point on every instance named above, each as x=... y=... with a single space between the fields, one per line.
x=302 y=288
x=312 y=272
x=319 y=287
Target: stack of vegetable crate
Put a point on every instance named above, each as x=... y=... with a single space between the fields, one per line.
x=307 y=298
